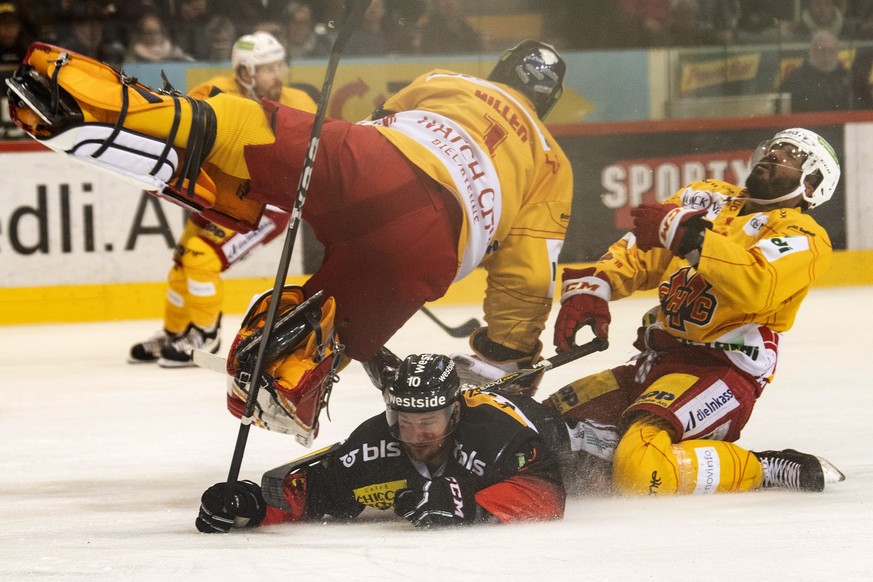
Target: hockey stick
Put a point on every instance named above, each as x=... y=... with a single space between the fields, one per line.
x=348 y=27
x=463 y=330
x=595 y=345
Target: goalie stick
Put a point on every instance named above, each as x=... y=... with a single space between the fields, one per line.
x=348 y=27
x=463 y=330
x=273 y=481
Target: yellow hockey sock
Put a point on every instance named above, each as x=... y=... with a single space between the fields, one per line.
x=648 y=462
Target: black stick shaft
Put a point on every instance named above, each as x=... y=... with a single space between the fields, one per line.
x=348 y=27
x=595 y=345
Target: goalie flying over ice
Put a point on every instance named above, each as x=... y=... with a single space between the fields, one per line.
x=452 y=173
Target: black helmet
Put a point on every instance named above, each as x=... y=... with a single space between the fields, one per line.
x=534 y=68
x=424 y=383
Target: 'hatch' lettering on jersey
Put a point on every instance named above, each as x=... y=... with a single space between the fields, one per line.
x=685 y=298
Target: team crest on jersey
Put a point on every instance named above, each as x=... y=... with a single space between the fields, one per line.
x=685 y=299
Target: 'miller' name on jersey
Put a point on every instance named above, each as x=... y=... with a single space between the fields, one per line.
x=417 y=402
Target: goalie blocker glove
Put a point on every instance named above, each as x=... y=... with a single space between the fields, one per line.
x=439 y=502
x=220 y=510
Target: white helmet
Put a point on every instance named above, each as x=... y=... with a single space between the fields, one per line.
x=259 y=48
x=820 y=160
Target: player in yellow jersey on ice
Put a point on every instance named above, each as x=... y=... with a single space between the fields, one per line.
x=731 y=266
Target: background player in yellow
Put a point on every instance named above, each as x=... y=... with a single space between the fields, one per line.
x=192 y=313
x=731 y=266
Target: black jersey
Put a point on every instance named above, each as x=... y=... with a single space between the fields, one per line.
x=496 y=439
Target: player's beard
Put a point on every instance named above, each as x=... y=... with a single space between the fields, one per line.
x=274 y=92
x=765 y=183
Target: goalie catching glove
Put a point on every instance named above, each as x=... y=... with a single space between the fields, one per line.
x=441 y=501
x=491 y=361
x=300 y=367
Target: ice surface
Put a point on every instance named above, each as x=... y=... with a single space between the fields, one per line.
x=102 y=464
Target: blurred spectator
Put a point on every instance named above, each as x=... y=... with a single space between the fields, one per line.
x=88 y=33
x=862 y=79
x=649 y=21
x=821 y=82
x=252 y=15
x=152 y=44
x=765 y=22
x=820 y=15
x=221 y=32
x=401 y=24
x=188 y=29
x=369 y=38
x=445 y=30
x=704 y=22
x=859 y=19
x=13 y=43
x=302 y=37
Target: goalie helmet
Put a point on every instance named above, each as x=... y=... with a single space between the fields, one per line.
x=259 y=48
x=821 y=161
x=536 y=70
x=424 y=383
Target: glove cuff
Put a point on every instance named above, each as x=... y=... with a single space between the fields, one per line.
x=585 y=282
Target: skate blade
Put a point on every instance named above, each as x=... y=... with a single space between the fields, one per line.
x=831 y=473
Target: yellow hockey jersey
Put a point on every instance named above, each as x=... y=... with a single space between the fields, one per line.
x=755 y=270
x=484 y=143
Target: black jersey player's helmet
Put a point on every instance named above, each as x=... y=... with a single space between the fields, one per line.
x=534 y=68
x=425 y=383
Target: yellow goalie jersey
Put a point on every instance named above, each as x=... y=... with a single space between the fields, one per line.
x=755 y=270
x=483 y=142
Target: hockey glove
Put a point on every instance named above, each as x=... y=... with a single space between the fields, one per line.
x=221 y=510
x=585 y=299
x=442 y=501
x=491 y=360
x=669 y=226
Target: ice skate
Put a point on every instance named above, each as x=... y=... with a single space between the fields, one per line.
x=790 y=469
x=180 y=352
x=148 y=351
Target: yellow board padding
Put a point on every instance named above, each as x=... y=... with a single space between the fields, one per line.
x=120 y=301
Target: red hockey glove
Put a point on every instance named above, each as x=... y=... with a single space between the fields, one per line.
x=442 y=501
x=669 y=226
x=221 y=510
x=584 y=301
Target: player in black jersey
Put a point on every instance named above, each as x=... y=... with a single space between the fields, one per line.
x=438 y=455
